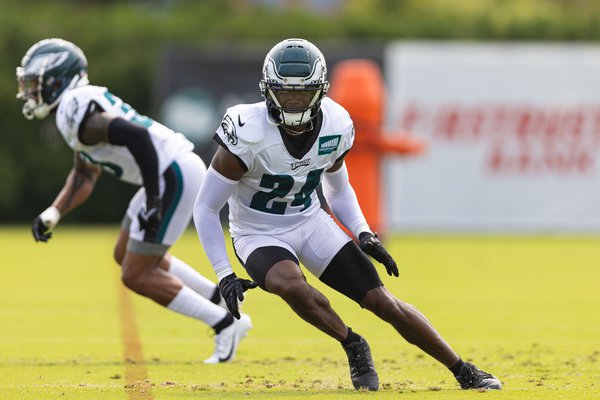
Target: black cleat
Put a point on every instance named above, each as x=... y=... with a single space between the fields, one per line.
x=362 y=369
x=471 y=377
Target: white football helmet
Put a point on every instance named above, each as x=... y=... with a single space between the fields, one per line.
x=294 y=82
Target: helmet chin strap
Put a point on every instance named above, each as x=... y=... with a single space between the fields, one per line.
x=42 y=111
x=292 y=132
x=29 y=108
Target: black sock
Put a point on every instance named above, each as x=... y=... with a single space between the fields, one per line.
x=455 y=369
x=351 y=338
x=224 y=323
x=216 y=297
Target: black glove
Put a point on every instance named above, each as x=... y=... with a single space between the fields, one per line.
x=40 y=230
x=151 y=217
x=232 y=289
x=373 y=247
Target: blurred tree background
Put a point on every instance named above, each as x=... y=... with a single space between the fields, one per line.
x=122 y=40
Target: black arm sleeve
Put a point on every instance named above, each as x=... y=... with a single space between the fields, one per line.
x=137 y=139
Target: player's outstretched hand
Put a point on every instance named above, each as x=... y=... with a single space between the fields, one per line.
x=151 y=217
x=41 y=233
x=232 y=289
x=370 y=244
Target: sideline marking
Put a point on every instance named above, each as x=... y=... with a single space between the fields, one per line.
x=136 y=374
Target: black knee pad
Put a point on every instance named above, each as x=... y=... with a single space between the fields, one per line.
x=262 y=259
x=351 y=273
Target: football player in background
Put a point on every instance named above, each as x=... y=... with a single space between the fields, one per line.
x=107 y=134
x=272 y=157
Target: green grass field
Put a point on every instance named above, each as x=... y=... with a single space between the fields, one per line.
x=526 y=309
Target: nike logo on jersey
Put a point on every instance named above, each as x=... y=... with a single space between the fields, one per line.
x=299 y=164
x=240 y=123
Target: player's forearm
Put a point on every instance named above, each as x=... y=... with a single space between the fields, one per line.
x=210 y=233
x=77 y=189
x=213 y=195
x=343 y=201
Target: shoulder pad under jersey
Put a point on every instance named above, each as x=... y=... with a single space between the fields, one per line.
x=73 y=109
x=339 y=121
x=242 y=127
x=243 y=123
x=338 y=114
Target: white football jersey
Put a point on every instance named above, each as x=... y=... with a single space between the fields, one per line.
x=117 y=160
x=278 y=192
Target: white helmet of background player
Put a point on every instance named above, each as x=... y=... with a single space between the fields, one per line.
x=294 y=82
x=48 y=69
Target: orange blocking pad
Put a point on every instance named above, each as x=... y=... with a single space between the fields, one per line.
x=358 y=86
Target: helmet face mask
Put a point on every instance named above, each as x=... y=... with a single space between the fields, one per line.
x=49 y=67
x=294 y=83
x=295 y=107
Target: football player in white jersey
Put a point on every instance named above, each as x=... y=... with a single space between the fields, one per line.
x=107 y=134
x=272 y=157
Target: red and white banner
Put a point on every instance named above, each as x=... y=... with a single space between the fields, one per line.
x=513 y=133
